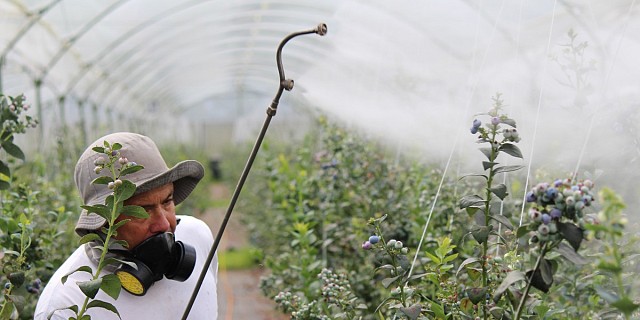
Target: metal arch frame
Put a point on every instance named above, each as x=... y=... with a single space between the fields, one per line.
x=34 y=19
x=121 y=63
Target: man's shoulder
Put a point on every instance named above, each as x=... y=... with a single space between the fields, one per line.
x=193 y=228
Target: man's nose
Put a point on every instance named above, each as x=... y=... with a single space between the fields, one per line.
x=159 y=221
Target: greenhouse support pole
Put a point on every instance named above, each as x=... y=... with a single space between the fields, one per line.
x=38 y=87
x=285 y=84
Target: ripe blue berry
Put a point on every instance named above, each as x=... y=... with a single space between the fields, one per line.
x=546 y=218
x=555 y=213
x=495 y=121
x=474 y=130
x=374 y=239
x=552 y=192
x=366 y=245
x=531 y=197
x=477 y=123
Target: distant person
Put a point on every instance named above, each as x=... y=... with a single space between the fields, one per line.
x=170 y=266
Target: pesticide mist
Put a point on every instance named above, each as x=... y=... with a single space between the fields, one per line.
x=416 y=75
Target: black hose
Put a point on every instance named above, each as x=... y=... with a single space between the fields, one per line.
x=285 y=84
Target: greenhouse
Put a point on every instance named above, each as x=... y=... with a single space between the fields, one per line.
x=337 y=159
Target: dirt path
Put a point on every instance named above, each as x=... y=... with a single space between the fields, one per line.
x=239 y=295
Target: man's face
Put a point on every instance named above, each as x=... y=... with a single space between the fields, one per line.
x=162 y=216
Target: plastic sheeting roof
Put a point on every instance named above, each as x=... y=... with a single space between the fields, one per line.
x=212 y=60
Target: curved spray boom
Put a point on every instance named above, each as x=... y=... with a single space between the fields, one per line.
x=285 y=84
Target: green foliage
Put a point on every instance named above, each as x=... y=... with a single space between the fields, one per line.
x=112 y=208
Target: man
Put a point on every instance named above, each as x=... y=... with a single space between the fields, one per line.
x=159 y=190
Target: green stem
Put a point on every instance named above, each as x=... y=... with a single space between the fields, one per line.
x=105 y=249
x=485 y=244
x=543 y=252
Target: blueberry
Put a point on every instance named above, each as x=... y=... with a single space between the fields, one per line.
x=546 y=218
x=374 y=239
x=579 y=205
x=477 y=123
x=535 y=215
x=7 y=285
x=543 y=229
x=531 y=197
x=391 y=243
x=557 y=183
x=555 y=213
x=366 y=245
x=474 y=130
x=398 y=245
x=495 y=121
x=552 y=192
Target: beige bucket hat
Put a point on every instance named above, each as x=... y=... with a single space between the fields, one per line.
x=139 y=149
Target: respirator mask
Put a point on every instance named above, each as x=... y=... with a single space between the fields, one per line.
x=155 y=257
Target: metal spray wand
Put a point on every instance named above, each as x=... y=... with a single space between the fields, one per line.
x=285 y=84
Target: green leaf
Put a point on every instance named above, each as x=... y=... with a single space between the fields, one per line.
x=388 y=281
x=546 y=271
x=102 y=180
x=609 y=297
x=476 y=295
x=486 y=152
x=98 y=149
x=626 y=306
x=99 y=209
x=4 y=169
x=131 y=169
x=433 y=258
x=508 y=121
x=13 y=150
x=537 y=281
x=120 y=224
x=471 y=211
x=500 y=191
x=467 y=262
x=510 y=279
x=481 y=234
x=116 y=146
x=414 y=311
x=134 y=211
x=609 y=266
x=571 y=233
x=466 y=306
x=4 y=185
x=111 y=285
x=502 y=219
x=437 y=309
x=7 y=310
x=487 y=165
x=104 y=305
x=507 y=169
x=474 y=175
x=471 y=200
x=511 y=149
x=125 y=191
x=90 y=288
x=90 y=237
x=522 y=231
x=81 y=269
x=570 y=254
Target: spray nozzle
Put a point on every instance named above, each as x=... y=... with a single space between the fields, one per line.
x=321 y=29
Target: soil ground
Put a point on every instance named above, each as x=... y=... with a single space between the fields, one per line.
x=239 y=295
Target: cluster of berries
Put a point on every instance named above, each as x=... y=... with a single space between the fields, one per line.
x=11 y=121
x=553 y=202
x=392 y=244
x=475 y=126
x=100 y=163
x=335 y=288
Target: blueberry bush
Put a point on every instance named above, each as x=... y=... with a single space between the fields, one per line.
x=344 y=238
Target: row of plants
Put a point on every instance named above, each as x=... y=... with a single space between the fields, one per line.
x=346 y=239
x=40 y=207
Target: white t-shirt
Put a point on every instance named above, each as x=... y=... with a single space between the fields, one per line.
x=165 y=299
